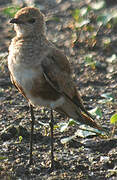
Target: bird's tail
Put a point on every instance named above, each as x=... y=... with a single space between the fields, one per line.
x=78 y=113
x=90 y=122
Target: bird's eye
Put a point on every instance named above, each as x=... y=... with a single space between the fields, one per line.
x=31 y=21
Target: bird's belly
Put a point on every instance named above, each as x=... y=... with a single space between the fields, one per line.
x=25 y=79
x=38 y=101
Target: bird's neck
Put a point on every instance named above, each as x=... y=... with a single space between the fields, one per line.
x=33 y=38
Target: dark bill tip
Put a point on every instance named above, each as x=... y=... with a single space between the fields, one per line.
x=16 y=21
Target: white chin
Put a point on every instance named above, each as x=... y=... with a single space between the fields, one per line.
x=20 y=31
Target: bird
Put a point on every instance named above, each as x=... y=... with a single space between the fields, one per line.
x=42 y=73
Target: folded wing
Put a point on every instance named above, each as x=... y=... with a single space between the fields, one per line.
x=56 y=70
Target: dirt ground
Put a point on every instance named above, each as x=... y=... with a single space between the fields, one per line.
x=89 y=158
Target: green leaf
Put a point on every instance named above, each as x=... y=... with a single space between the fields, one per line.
x=76 y=15
x=113 y=119
x=107 y=96
x=54 y=18
x=90 y=61
x=71 y=122
x=96 y=112
x=20 y=138
x=104 y=18
x=2 y=157
x=11 y=11
x=89 y=58
x=56 y=126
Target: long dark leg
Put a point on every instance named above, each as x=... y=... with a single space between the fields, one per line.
x=31 y=133
x=52 y=140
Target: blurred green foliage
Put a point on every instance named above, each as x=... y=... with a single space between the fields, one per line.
x=113 y=119
x=11 y=11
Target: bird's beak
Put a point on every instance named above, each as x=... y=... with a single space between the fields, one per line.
x=16 y=21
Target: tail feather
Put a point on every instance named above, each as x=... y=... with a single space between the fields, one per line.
x=88 y=121
x=81 y=115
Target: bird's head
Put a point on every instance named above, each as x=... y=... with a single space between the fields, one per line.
x=28 y=21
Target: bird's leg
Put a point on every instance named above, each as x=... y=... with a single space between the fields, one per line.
x=31 y=133
x=52 y=140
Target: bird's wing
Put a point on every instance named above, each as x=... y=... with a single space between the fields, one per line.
x=18 y=87
x=56 y=69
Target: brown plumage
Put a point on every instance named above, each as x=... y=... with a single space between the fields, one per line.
x=40 y=71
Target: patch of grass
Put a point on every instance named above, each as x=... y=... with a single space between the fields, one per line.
x=88 y=23
x=11 y=11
